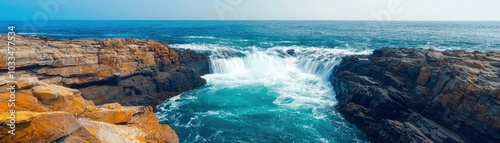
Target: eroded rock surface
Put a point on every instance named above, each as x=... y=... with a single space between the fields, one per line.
x=52 y=113
x=127 y=71
x=417 y=95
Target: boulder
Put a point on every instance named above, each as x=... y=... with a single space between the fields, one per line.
x=53 y=113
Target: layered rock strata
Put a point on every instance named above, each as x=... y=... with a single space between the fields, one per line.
x=106 y=74
x=52 y=113
x=421 y=96
x=127 y=71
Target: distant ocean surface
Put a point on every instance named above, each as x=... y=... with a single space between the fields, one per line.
x=269 y=80
x=482 y=36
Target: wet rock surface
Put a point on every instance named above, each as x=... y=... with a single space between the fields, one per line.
x=419 y=95
x=127 y=71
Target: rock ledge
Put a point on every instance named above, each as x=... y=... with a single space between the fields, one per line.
x=52 y=113
x=418 y=95
x=127 y=71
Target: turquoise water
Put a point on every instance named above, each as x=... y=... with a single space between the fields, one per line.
x=263 y=96
x=269 y=80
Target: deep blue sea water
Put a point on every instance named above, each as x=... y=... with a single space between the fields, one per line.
x=258 y=90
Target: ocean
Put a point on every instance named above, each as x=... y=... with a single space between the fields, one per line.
x=269 y=79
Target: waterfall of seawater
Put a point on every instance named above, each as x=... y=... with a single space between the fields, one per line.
x=279 y=94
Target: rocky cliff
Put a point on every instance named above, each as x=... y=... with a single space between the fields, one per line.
x=51 y=113
x=421 y=96
x=127 y=71
x=106 y=74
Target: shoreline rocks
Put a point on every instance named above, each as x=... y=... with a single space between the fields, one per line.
x=73 y=90
x=418 y=95
x=127 y=71
x=52 y=113
x=393 y=95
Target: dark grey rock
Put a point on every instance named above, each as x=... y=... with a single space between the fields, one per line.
x=418 y=95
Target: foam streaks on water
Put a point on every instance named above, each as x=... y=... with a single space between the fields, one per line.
x=278 y=94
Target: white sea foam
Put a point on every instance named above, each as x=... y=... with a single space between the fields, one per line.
x=298 y=74
x=212 y=48
x=295 y=79
x=43 y=34
x=201 y=37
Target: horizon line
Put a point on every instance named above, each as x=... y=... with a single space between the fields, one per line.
x=263 y=20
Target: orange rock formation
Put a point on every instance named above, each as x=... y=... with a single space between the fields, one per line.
x=48 y=113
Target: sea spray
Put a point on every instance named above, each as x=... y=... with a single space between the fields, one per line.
x=252 y=60
x=278 y=94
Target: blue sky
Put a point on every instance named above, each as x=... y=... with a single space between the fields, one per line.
x=442 y=10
